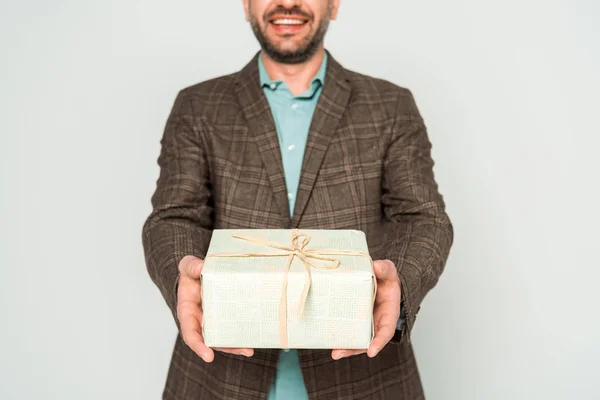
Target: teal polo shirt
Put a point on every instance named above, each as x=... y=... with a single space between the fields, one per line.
x=293 y=116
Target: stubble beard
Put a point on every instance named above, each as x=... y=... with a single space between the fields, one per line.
x=302 y=53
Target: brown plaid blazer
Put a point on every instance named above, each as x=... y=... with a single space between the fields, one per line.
x=367 y=166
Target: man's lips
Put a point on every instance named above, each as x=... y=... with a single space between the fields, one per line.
x=287 y=24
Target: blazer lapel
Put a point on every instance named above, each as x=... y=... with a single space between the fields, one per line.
x=328 y=112
x=263 y=130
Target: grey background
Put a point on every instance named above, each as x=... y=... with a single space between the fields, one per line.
x=510 y=93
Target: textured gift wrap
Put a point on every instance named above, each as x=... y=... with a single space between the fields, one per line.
x=251 y=300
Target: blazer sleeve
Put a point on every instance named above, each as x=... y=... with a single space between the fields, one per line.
x=180 y=223
x=421 y=231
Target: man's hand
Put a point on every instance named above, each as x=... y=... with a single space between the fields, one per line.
x=386 y=312
x=189 y=310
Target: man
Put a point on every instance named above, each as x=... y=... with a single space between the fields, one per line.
x=294 y=140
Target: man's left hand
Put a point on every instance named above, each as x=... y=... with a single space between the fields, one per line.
x=386 y=311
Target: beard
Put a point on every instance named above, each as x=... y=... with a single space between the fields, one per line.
x=307 y=48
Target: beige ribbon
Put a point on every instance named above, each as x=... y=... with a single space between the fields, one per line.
x=296 y=249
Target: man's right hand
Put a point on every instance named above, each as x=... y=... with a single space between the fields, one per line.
x=189 y=310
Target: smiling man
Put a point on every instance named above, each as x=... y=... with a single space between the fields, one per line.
x=294 y=140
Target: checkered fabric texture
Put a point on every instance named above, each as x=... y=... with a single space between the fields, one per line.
x=367 y=166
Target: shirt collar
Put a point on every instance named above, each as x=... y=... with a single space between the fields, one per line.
x=265 y=80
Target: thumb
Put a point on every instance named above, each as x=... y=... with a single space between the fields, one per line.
x=384 y=269
x=191 y=267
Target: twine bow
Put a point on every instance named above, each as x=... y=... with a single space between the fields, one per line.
x=296 y=249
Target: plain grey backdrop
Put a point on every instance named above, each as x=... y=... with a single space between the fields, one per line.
x=509 y=91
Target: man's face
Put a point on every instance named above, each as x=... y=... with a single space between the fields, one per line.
x=290 y=31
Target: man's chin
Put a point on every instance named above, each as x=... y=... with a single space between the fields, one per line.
x=288 y=45
x=289 y=51
x=288 y=57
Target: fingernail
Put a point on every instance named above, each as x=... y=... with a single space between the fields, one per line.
x=246 y=353
x=342 y=355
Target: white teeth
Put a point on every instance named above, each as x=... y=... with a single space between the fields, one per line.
x=288 y=22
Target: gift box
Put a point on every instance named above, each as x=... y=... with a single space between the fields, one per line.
x=288 y=288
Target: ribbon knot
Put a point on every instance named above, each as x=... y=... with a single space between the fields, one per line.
x=296 y=249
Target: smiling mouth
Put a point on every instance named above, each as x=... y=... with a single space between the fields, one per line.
x=288 y=21
x=285 y=21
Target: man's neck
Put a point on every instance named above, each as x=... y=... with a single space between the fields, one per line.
x=297 y=77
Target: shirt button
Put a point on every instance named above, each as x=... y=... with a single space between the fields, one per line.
x=273 y=86
x=294 y=106
x=291 y=147
x=290 y=196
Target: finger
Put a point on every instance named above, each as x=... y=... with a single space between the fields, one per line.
x=239 y=352
x=189 y=293
x=384 y=332
x=342 y=353
x=191 y=267
x=389 y=295
x=192 y=336
x=384 y=269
